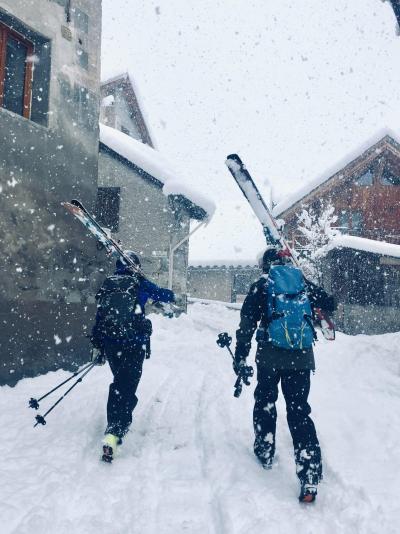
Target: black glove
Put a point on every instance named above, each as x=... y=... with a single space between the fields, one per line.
x=98 y=356
x=96 y=342
x=238 y=364
x=242 y=370
x=96 y=338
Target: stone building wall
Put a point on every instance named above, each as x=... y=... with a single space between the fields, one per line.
x=47 y=264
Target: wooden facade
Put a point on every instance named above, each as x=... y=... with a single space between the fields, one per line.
x=365 y=194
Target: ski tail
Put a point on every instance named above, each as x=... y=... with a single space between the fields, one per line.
x=253 y=196
x=112 y=247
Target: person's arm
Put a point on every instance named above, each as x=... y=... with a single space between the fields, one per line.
x=96 y=337
x=250 y=315
x=319 y=298
x=156 y=293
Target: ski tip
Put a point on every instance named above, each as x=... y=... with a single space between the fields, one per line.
x=233 y=157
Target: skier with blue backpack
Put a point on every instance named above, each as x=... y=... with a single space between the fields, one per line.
x=121 y=334
x=281 y=304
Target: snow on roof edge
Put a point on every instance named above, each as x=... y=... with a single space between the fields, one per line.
x=223 y=263
x=139 y=99
x=121 y=76
x=306 y=189
x=367 y=245
x=155 y=164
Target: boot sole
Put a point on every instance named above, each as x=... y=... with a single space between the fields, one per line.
x=307 y=499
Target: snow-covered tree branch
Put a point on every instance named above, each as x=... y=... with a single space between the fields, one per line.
x=317 y=231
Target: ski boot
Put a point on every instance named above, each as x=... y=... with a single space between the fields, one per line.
x=110 y=444
x=308 y=493
x=265 y=454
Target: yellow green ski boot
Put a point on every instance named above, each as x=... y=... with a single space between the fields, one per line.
x=110 y=444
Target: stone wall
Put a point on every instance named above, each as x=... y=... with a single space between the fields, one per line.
x=48 y=267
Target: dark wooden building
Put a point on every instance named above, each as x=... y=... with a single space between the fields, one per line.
x=362 y=269
x=364 y=276
x=365 y=194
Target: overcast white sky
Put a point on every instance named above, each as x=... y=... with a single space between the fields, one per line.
x=292 y=86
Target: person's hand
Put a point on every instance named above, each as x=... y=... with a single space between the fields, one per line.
x=238 y=364
x=96 y=342
x=242 y=370
x=98 y=357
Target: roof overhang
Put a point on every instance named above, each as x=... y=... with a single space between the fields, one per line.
x=342 y=172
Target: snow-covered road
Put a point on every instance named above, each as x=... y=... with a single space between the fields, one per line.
x=187 y=465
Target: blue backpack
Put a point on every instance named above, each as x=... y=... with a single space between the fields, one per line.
x=289 y=315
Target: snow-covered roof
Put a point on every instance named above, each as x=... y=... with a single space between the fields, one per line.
x=366 y=245
x=155 y=164
x=288 y=202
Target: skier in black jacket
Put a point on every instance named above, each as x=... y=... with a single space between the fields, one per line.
x=290 y=367
x=125 y=346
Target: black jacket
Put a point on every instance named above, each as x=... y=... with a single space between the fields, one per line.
x=252 y=315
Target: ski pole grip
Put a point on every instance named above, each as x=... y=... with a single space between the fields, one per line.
x=40 y=420
x=224 y=340
x=33 y=403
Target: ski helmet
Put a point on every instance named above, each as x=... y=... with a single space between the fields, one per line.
x=270 y=256
x=274 y=255
x=132 y=256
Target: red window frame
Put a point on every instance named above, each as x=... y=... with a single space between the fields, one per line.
x=5 y=34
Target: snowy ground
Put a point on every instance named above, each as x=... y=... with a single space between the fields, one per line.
x=187 y=465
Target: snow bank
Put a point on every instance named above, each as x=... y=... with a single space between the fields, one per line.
x=329 y=173
x=206 y=302
x=224 y=263
x=155 y=164
x=187 y=465
x=368 y=245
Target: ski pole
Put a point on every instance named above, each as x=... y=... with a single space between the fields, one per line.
x=41 y=419
x=225 y=340
x=34 y=403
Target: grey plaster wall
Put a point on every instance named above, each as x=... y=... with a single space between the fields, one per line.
x=149 y=222
x=215 y=285
x=47 y=264
x=225 y=283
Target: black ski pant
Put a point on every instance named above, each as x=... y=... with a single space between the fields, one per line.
x=295 y=388
x=126 y=362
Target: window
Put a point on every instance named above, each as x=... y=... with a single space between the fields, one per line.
x=365 y=179
x=343 y=220
x=389 y=177
x=81 y=20
x=356 y=222
x=16 y=67
x=85 y=106
x=107 y=207
x=83 y=58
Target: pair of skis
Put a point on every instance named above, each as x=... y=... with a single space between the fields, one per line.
x=113 y=248
x=273 y=234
